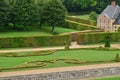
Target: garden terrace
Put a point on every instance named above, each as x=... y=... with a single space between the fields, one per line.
x=52 y=59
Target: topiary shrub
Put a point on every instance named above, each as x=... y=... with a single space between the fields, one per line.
x=117 y=58
x=107 y=41
x=67 y=47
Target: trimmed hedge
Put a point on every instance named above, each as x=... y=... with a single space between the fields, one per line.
x=38 y=53
x=92 y=38
x=80 y=26
x=17 y=42
x=83 y=21
x=34 y=64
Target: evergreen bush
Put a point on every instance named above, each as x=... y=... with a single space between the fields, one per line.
x=67 y=47
x=107 y=42
x=117 y=58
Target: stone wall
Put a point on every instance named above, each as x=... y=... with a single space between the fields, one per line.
x=69 y=75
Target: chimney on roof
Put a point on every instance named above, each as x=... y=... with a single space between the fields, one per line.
x=113 y=3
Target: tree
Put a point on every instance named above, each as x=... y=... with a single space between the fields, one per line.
x=81 y=6
x=93 y=15
x=107 y=41
x=40 y=6
x=4 y=11
x=26 y=12
x=13 y=13
x=54 y=13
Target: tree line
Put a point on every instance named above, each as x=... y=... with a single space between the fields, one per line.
x=32 y=12
x=86 y=6
x=46 y=12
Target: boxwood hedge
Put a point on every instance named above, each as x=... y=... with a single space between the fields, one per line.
x=91 y=38
x=17 y=42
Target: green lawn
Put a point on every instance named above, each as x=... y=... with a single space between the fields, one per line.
x=112 y=78
x=85 y=16
x=23 y=34
x=91 y=55
x=59 y=30
x=31 y=31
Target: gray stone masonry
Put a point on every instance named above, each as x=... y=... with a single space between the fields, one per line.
x=68 y=75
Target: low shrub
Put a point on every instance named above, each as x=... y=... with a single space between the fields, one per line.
x=67 y=47
x=117 y=58
x=38 y=53
x=107 y=41
x=32 y=65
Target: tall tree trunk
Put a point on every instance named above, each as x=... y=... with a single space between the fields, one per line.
x=5 y=24
x=14 y=25
x=24 y=27
x=40 y=25
x=53 y=28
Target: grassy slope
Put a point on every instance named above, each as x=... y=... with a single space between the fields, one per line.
x=85 y=16
x=7 y=62
x=33 y=31
x=59 y=30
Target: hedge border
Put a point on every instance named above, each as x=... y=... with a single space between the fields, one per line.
x=18 y=42
x=93 y=38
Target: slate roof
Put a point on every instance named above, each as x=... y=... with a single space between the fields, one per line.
x=117 y=21
x=111 y=12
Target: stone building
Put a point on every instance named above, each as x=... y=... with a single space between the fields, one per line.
x=109 y=19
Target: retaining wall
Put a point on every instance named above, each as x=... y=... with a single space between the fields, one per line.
x=68 y=75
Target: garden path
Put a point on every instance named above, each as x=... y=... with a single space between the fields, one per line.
x=73 y=46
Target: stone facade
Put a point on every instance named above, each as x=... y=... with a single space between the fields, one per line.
x=107 y=24
x=68 y=75
x=109 y=19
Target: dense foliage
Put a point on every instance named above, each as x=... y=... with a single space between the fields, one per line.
x=46 y=12
x=54 y=13
x=83 y=6
x=30 y=12
x=4 y=12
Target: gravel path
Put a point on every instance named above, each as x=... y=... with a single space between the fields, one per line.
x=63 y=69
x=73 y=46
